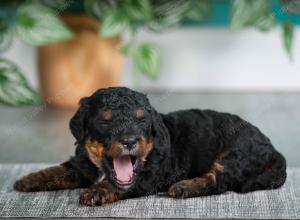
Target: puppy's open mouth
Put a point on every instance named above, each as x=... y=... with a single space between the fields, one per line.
x=124 y=167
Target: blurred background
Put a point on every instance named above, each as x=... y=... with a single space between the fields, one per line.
x=238 y=56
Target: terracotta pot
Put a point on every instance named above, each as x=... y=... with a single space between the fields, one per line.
x=73 y=69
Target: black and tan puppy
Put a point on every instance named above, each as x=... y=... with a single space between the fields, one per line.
x=127 y=149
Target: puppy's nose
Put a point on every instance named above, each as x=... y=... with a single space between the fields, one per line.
x=129 y=141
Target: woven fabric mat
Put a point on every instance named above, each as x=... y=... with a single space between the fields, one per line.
x=283 y=203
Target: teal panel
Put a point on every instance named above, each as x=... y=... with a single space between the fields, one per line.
x=220 y=16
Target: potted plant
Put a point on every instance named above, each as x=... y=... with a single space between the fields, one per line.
x=73 y=59
x=80 y=46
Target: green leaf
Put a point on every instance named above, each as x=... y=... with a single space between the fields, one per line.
x=114 y=24
x=240 y=15
x=168 y=13
x=265 y=23
x=39 y=25
x=200 y=10
x=291 y=6
x=6 y=35
x=287 y=35
x=3 y=25
x=99 y=9
x=252 y=13
x=138 y=10
x=6 y=39
x=127 y=49
x=146 y=59
x=14 y=88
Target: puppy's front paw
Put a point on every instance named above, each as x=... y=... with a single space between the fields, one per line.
x=97 y=197
x=180 y=190
x=27 y=184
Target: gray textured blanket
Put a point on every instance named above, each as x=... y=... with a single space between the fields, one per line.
x=282 y=203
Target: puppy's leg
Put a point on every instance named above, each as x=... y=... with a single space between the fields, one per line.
x=53 y=178
x=100 y=194
x=200 y=186
x=272 y=177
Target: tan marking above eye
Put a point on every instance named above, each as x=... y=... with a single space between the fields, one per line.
x=140 y=113
x=106 y=115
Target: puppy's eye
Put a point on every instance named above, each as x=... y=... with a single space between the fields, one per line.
x=102 y=122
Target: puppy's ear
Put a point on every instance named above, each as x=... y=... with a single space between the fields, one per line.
x=159 y=130
x=79 y=120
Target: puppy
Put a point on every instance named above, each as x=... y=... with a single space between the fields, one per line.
x=126 y=149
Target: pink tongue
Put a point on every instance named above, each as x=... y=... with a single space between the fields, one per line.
x=123 y=168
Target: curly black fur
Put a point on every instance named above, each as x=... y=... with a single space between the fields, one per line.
x=186 y=153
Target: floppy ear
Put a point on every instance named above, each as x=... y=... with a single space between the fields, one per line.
x=159 y=130
x=78 y=121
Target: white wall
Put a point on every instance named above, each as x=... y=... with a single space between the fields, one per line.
x=207 y=59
